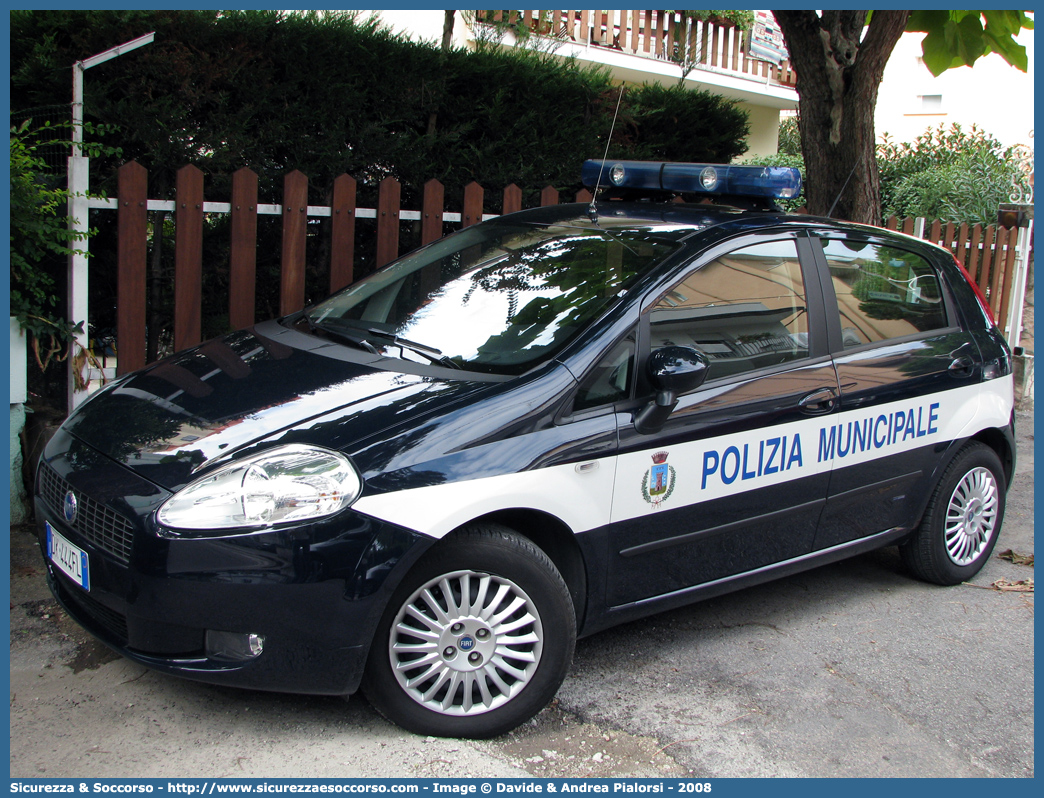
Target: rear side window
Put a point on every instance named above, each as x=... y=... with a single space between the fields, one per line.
x=882 y=292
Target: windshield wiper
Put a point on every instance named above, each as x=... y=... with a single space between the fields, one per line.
x=431 y=353
x=341 y=334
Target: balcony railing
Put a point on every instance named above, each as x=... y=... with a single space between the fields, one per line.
x=664 y=35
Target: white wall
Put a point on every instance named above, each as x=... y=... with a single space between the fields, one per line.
x=424 y=25
x=993 y=95
x=764 y=130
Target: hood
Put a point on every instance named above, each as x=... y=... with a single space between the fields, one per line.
x=168 y=421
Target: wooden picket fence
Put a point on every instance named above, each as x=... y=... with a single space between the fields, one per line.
x=988 y=253
x=189 y=208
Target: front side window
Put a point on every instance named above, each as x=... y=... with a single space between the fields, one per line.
x=745 y=310
x=882 y=292
x=610 y=381
x=499 y=297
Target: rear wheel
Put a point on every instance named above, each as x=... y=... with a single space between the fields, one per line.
x=476 y=640
x=960 y=526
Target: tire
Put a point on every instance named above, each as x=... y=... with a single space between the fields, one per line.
x=443 y=668
x=962 y=521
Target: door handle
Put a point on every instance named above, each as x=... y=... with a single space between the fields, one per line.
x=962 y=366
x=819 y=402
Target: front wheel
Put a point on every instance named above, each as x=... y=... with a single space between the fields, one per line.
x=476 y=640
x=960 y=526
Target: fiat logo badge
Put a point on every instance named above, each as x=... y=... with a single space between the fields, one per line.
x=69 y=507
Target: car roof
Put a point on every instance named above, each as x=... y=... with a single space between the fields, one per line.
x=677 y=217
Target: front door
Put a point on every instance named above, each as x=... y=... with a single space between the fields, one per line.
x=731 y=482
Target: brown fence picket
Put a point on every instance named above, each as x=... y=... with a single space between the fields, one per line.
x=935 y=232
x=1006 y=286
x=982 y=279
x=432 y=205
x=295 y=231
x=1005 y=247
x=388 y=194
x=473 y=196
x=512 y=199
x=131 y=266
x=342 y=233
x=974 y=258
x=962 y=241
x=242 y=275
x=188 y=257
x=549 y=196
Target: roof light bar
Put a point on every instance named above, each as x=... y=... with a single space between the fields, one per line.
x=775 y=182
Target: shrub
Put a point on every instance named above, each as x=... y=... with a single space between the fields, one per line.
x=950 y=174
x=41 y=241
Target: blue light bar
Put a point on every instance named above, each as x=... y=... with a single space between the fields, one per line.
x=775 y=182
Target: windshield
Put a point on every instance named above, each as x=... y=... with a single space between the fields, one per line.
x=499 y=297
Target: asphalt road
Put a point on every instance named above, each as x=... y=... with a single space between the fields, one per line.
x=854 y=669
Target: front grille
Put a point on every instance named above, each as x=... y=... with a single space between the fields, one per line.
x=97 y=524
x=109 y=619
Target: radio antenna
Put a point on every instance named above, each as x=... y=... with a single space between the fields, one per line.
x=592 y=210
x=841 y=193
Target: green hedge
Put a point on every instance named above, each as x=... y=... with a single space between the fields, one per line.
x=329 y=93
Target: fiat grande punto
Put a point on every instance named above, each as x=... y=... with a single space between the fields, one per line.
x=429 y=484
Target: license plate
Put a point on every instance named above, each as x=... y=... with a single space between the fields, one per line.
x=70 y=560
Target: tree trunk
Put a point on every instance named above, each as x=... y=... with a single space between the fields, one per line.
x=838 y=74
x=447 y=29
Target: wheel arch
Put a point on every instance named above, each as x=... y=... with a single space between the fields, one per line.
x=552 y=536
x=1002 y=445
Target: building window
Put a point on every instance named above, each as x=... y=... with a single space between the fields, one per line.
x=930 y=103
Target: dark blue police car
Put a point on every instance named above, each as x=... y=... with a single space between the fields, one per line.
x=429 y=484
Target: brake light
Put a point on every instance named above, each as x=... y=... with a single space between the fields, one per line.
x=981 y=297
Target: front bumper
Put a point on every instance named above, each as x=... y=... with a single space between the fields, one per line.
x=315 y=592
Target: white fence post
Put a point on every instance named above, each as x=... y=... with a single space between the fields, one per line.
x=1018 y=294
x=79 y=210
x=1018 y=302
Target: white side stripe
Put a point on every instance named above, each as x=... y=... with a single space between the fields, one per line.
x=638 y=483
x=580 y=500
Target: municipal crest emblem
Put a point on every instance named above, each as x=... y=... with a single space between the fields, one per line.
x=658 y=482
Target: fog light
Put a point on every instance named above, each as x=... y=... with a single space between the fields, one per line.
x=234 y=646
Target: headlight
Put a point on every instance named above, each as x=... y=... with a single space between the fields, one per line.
x=290 y=483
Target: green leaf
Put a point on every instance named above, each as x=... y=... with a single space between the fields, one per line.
x=926 y=21
x=958 y=38
x=936 y=52
x=964 y=38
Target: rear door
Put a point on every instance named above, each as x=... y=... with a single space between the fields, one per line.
x=908 y=376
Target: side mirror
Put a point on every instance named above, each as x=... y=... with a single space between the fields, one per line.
x=673 y=370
